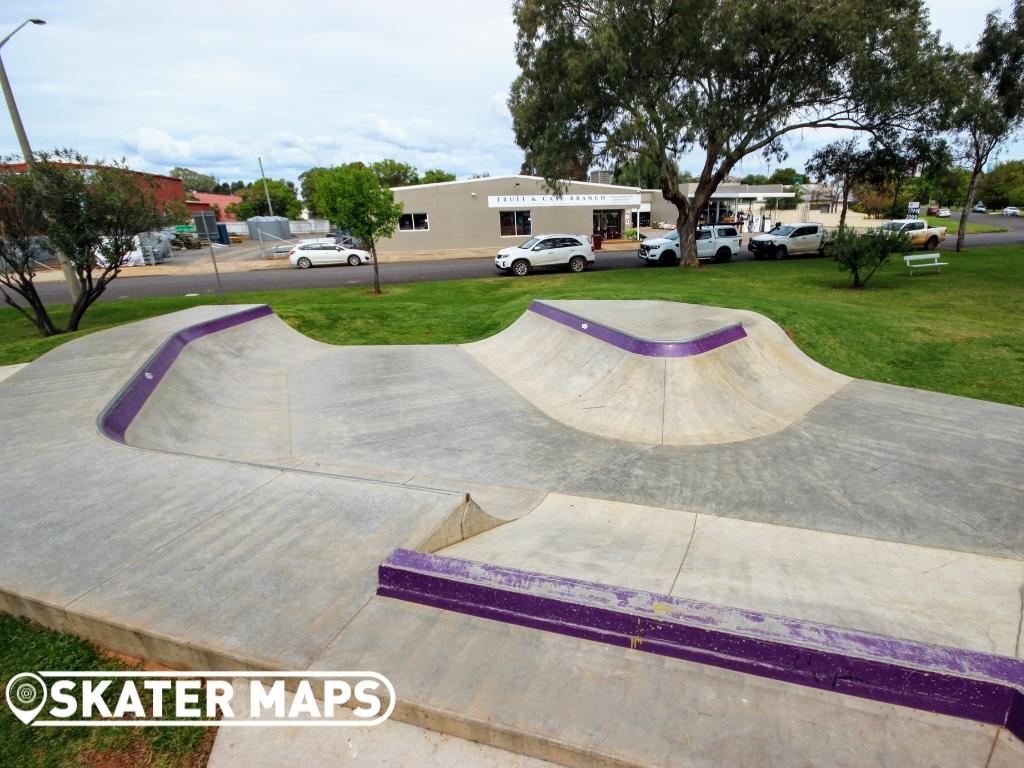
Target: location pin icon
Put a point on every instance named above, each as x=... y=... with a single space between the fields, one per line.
x=26 y=695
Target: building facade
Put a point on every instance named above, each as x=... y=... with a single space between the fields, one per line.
x=496 y=211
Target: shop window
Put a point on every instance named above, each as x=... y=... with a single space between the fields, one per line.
x=515 y=223
x=413 y=221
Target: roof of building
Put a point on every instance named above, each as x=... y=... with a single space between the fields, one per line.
x=511 y=176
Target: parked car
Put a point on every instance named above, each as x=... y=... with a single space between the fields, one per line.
x=545 y=251
x=786 y=239
x=979 y=208
x=919 y=232
x=320 y=253
x=933 y=210
x=715 y=243
x=943 y=213
x=1011 y=210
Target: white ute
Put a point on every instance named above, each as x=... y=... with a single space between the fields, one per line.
x=785 y=239
x=715 y=243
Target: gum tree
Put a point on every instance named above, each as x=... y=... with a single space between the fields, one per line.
x=90 y=213
x=617 y=79
x=991 y=108
x=353 y=198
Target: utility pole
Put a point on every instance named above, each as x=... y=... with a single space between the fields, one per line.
x=266 y=190
x=70 y=276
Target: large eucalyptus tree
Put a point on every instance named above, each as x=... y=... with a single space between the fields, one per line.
x=619 y=79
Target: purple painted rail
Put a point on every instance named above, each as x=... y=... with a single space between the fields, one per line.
x=118 y=415
x=637 y=345
x=948 y=681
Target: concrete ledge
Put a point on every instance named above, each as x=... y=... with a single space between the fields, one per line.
x=967 y=684
x=637 y=344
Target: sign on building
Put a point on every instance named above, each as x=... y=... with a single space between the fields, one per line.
x=554 y=201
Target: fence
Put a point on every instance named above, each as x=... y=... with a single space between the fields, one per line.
x=298 y=227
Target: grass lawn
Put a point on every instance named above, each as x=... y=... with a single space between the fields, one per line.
x=26 y=647
x=958 y=332
x=952 y=224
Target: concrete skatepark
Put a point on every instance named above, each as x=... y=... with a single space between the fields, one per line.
x=615 y=533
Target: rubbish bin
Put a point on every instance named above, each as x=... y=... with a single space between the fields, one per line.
x=598 y=240
x=222 y=234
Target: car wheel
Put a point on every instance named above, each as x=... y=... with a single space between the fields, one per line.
x=304 y=263
x=667 y=259
x=723 y=255
x=520 y=267
x=780 y=252
x=933 y=241
x=577 y=264
x=354 y=261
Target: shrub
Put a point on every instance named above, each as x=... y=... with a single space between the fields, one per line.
x=865 y=252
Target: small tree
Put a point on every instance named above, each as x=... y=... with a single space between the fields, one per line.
x=254 y=200
x=194 y=181
x=393 y=173
x=842 y=164
x=90 y=213
x=435 y=175
x=865 y=253
x=353 y=199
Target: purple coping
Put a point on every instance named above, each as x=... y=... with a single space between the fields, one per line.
x=118 y=415
x=949 y=681
x=639 y=346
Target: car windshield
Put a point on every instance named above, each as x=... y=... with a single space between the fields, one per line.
x=673 y=235
x=530 y=243
x=783 y=231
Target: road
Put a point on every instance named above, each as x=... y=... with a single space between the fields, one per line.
x=410 y=272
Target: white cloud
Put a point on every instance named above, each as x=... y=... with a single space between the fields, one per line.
x=213 y=85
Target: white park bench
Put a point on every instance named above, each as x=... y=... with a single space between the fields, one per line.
x=920 y=260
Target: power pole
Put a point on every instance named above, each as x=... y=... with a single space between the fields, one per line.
x=70 y=276
x=266 y=189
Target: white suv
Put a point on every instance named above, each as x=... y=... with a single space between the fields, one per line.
x=572 y=251
x=718 y=243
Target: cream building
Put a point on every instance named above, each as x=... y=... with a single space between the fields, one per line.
x=496 y=211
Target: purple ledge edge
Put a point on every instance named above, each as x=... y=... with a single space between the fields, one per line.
x=967 y=684
x=118 y=415
x=637 y=345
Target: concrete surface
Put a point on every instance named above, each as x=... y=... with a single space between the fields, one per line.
x=872 y=461
x=748 y=388
x=269 y=474
x=585 y=704
x=387 y=745
x=6 y=371
x=917 y=593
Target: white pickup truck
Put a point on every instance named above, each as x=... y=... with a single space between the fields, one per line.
x=718 y=243
x=787 y=239
x=921 y=235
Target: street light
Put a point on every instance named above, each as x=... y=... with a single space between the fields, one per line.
x=19 y=129
x=74 y=288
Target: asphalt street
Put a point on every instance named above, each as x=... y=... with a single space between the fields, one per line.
x=416 y=271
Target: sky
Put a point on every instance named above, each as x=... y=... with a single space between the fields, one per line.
x=213 y=85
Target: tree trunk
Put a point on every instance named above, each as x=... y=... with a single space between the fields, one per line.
x=961 y=232
x=845 y=205
x=376 y=273
x=686 y=226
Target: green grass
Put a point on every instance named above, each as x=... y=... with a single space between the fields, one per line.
x=973 y=228
x=958 y=332
x=27 y=647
